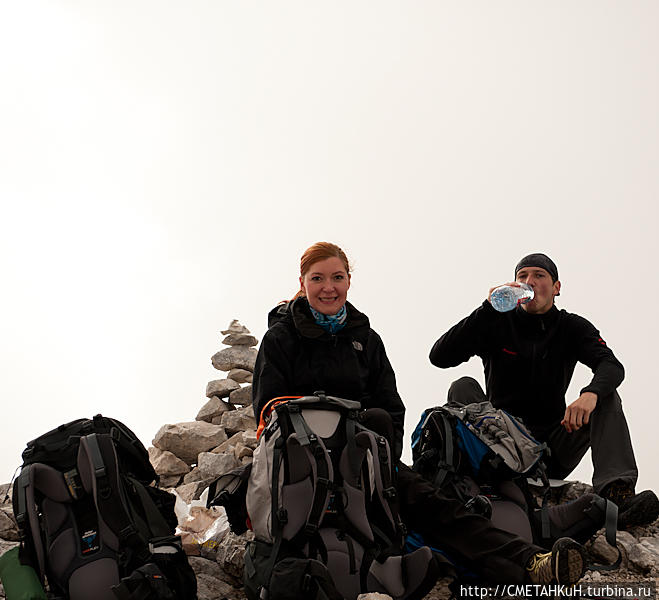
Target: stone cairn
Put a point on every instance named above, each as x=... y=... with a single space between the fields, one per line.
x=189 y=456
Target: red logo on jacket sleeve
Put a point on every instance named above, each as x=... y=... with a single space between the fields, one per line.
x=509 y=352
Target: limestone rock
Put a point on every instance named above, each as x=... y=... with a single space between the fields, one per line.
x=242 y=396
x=374 y=596
x=170 y=482
x=209 y=580
x=575 y=491
x=240 y=375
x=192 y=476
x=238 y=420
x=8 y=527
x=235 y=327
x=240 y=339
x=221 y=387
x=235 y=358
x=249 y=439
x=6 y=488
x=167 y=464
x=240 y=451
x=652 y=544
x=211 y=466
x=235 y=439
x=601 y=549
x=213 y=408
x=187 y=440
x=642 y=558
x=191 y=491
x=231 y=556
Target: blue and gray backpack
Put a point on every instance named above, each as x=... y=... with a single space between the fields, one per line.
x=487 y=457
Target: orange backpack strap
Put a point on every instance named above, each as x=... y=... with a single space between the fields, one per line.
x=267 y=411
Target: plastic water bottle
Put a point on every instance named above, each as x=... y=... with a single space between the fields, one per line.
x=507 y=297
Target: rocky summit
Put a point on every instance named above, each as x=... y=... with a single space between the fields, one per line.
x=188 y=456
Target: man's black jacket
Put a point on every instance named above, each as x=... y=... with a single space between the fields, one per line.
x=297 y=357
x=529 y=359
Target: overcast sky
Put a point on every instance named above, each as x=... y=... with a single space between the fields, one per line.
x=163 y=165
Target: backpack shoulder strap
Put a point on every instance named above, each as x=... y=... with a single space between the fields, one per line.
x=99 y=472
x=27 y=519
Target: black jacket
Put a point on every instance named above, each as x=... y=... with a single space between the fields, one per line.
x=529 y=359
x=297 y=357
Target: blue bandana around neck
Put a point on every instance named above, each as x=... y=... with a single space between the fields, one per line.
x=331 y=323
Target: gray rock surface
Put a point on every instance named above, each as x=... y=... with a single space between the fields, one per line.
x=243 y=396
x=167 y=464
x=191 y=491
x=8 y=527
x=211 y=466
x=187 y=440
x=240 y=339
x=238 y=420
x=240 y=375
x=235 y=327
x=236 y=438
x=231 y=556
x=213 y=408
x=221 y=387
x=236 y=357
x=210 y=585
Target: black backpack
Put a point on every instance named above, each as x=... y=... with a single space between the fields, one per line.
x=92 y=523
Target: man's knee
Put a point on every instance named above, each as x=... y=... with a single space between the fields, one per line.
x=465 y=390
x=609 y=403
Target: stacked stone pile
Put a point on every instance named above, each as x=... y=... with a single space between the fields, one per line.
x=189 y=456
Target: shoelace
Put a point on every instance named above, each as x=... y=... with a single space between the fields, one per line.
x=536 y=559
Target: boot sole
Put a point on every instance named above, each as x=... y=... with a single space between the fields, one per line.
x=569 y=561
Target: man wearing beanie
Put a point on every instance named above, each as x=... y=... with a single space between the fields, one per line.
x=529 y=355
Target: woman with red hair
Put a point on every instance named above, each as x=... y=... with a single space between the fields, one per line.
x=319 y=341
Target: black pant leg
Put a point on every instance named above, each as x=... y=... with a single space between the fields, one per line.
x=497 y=555
x=613 y=455
x=607 y=434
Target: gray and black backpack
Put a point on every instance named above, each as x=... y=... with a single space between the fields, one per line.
x=322 y=502
x=487 y=456
x=93 y=525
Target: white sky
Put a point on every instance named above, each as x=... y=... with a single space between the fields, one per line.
x=163 y=165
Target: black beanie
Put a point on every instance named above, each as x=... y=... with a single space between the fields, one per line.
x=539 y=260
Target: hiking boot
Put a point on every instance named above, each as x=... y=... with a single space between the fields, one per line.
x=641 y=509
x=565 y=564
x=618 y=492
x=633 y=509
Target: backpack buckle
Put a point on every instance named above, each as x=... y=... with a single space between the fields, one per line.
x=310 y=529
x=127 y=532
x=282 y=516
x=389 y=493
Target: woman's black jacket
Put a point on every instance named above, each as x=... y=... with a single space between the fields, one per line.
x=297 y=357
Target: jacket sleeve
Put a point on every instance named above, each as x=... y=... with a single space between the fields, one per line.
x=385 y=392
x=592 y=351
x=466 y=339
x=270 y=378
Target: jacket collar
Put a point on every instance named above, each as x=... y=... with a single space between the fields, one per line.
x=298 y=315
x=536 y=323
